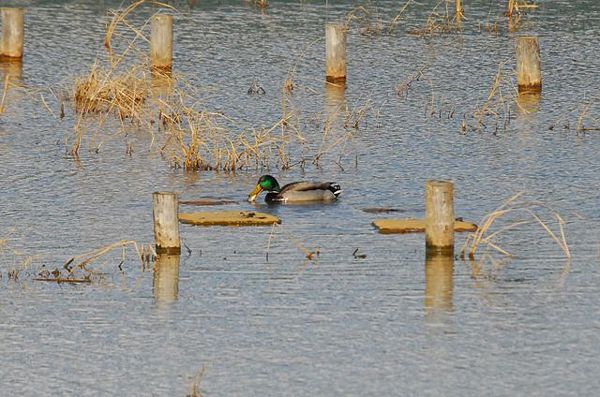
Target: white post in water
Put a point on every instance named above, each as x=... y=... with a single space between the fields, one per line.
x=11 y=42
x=161 y=43
x=166 y=223
x=439 y=217
x=335 y=41
x=529 y=69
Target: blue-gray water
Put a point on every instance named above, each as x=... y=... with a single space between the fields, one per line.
x=340 y=324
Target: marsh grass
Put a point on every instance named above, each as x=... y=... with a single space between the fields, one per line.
x=75 y=270
x=441 y=20
x=367 y=18
x=494 y=113
x=516 y=7
x=513 y=213
x=122 y=89
x=580 y=118
x=16 y=261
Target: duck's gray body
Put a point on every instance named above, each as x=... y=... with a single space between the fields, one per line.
x=305 y=192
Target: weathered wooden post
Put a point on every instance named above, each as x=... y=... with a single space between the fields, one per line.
x=335 y=52
x=161 y=43
x=439 y=217
x=439 y=282
x=166 y=223
x=11 y=42
x=165 y=283
x=529 y=70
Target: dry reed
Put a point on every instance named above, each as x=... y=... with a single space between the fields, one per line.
x=19 y=262
x=526 y=212
x=517 y=7
x=581 y=117
x=194 y=387
x=495 y=111
x=368 y=20
x=309 y=254
x=439 y=21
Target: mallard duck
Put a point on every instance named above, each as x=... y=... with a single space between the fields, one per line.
x=295 y=192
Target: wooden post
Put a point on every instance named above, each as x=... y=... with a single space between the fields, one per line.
x=439 y=283
x=439 y=217
x=335 y=41
x=166 y=223
x=11 y=42
x=165 y=283
x=161 y=43
x=529 y=70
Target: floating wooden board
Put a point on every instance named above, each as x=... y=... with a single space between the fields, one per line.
x=388 y=226
x=228 y=218
x=382 y=210
x=207 y=201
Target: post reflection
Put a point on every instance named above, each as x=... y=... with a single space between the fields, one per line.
x=439 y=283
x=528 y=103
x=162 y=85
x=166 y=278
x=335 y=102
x=11 y=71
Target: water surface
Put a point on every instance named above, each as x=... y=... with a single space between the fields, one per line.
x=338 y=325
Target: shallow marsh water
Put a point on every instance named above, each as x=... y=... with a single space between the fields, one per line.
x=340 y=324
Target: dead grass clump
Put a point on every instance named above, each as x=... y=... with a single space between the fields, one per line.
x=76 y=270
x=198 y=140
x=515 y=212
x=108 y=91
x=439 y=21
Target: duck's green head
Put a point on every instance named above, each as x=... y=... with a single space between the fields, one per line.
x=266 y=182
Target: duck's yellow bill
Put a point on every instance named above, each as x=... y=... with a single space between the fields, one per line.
x=253 y=194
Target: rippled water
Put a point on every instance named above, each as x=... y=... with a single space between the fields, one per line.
x=385 y=324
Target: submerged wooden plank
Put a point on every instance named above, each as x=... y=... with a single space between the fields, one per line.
x=228 y=218
x=388 y=226
x=207 y=201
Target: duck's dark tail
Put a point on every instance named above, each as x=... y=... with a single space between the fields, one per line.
x=335 y=189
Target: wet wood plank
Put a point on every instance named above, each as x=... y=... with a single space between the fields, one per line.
x=228 y=218
x=389 y=226
x=207 y=201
